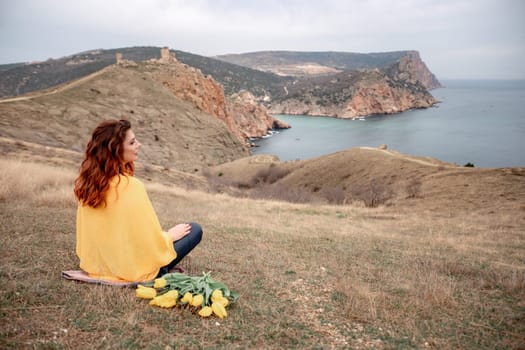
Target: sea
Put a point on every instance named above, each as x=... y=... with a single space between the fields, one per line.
x=476 y=122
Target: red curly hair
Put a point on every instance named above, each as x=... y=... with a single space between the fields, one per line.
x=104 y=160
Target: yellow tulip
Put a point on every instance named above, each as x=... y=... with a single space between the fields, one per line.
x=217 y=293
x=223 y=301
x=173 y=294
x=219 y=310
x=160 y=283
x=187 y=298
x=145 y=292
x=205 y=311
x=165 y=300
x=197 y=300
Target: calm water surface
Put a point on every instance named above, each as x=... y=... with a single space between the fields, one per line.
x=481 y=122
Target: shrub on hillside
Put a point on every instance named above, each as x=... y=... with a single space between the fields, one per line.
x=413 y=188
x=334 y=195
x=373 y=194
x=269 y=175
x=219 y=183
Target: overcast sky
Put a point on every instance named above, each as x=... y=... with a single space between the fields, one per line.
x=457 y=39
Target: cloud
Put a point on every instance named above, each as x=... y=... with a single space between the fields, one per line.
x=462 y=29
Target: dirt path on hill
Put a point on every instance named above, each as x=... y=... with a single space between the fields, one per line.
x=57 y=89
x=411 y=159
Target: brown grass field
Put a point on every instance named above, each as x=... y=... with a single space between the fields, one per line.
x=310 y=276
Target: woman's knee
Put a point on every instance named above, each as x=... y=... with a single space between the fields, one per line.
x=196 y=231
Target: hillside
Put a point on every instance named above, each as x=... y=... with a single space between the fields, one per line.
x=28 y=77
x=174 y=133
x=443 y=269
x=374 y=177
x=17 y=79
x=353 y=94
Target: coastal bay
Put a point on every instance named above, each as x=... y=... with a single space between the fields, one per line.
x=478 y=122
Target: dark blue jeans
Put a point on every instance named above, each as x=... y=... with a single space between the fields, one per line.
x=183 y=246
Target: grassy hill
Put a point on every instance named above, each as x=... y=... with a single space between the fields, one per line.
x=373 y=177
x=24 y=78
x=425 y=274
x=64 y=118
x=17 y=79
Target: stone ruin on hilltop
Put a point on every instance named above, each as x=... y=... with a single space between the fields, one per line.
x=166 y=57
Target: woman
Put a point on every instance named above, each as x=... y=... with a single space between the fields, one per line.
x=119 y=236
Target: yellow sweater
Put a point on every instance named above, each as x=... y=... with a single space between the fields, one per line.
x=122 y=240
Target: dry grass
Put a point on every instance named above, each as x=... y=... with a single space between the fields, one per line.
x=310 y=276
x=44 y=185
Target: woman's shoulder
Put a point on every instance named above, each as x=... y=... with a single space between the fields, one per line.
x=126 y=180
x=133 y=180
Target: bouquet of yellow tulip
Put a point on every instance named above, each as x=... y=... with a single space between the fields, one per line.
x=194 y=291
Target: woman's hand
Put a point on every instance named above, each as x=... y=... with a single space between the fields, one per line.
x=179 y=231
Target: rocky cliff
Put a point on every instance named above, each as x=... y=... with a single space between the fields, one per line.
x=353 y=94
x=412 y=68
x=250 y=117
x=241 y=113
x=350 y=85
x=385 y=98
